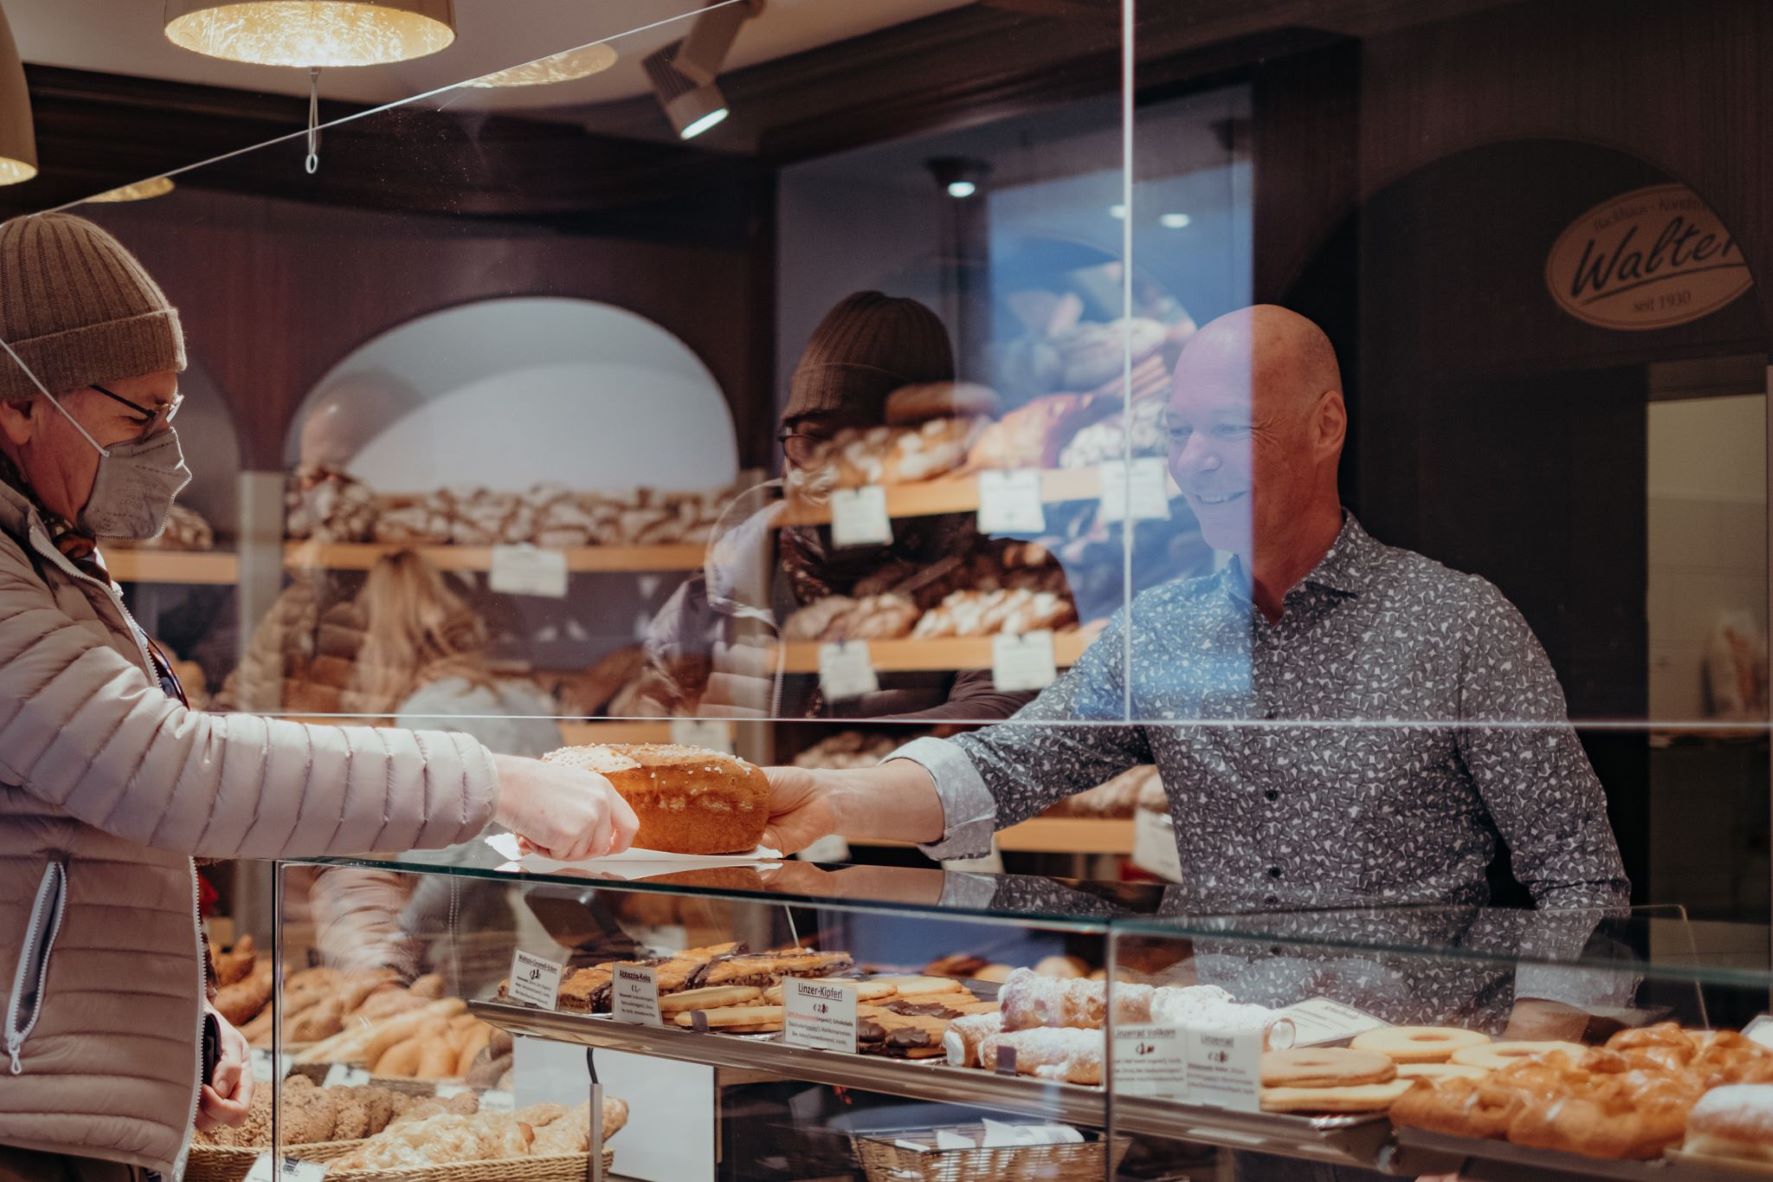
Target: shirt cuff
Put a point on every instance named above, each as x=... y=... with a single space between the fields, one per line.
x=1582 y=988
x=969 y=813
x=973 y=892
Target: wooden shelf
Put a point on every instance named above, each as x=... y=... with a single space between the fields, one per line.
x=643 y=730
x=904 y=656
x=363 y=555
x=959 y=494
x=207 y=567
x=1057 y=835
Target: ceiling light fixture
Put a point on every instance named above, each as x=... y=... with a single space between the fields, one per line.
x=1175 y=221
x=18 y=136
x=684 y=73
x=557 y=67
x=1117 y=210
x=960 y=177
x=312 y=34
x=691 y=108
x=158 y=186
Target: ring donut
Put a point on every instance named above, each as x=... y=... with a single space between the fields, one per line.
x=1435 y=1072
x=1418 y=1044
x=1325 y=1067
x=1498 y=1055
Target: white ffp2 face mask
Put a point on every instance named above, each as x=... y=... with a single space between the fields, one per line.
x=136 y=482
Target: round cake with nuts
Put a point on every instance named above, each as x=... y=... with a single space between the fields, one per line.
x=689 y=800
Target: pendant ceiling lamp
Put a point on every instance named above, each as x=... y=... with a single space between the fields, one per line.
x=557 y=67
x=158 y=186
x=18 y=138
x=311 y=33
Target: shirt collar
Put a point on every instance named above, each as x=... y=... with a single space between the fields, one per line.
x=1346 y=567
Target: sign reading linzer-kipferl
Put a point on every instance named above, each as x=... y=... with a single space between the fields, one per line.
x=1651 y=258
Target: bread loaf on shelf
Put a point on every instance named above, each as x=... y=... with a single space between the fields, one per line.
x=689 y=800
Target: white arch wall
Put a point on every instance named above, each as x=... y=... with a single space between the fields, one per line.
x=508 y=393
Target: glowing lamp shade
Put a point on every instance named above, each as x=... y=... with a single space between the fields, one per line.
x=158 y=186
x=556 y=67
x=18 y=138
x=311 y=32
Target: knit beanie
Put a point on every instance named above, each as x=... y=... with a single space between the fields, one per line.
x=78 y=308
x=866 y=347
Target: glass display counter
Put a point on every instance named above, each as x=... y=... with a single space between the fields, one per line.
x=847 y=1021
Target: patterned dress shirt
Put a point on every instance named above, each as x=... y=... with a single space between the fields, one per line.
x=1370 y=746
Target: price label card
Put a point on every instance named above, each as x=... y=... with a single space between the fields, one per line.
x=846 y=670
x=446 y=1091
x=497 y=1100
x=1140 y=491
x=1154 y=845
x=1321 y=1020
x=1150 y=1061
x=528 y=570
x=634 y=995
x=343 y=1075
x=1224 y=1070
x=266 y=1169
x=267 y=1066
x=709 y=733
x=535 y=980
x=819 y=1014
x=1024 y=662
x=859 y=517
x=1009 y=502
x=1760 y=1030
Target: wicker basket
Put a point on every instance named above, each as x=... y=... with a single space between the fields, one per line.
x=555 y=1167
x=884 y=1160
x=219 y=1163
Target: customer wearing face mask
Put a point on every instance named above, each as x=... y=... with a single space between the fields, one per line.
x=109 y=783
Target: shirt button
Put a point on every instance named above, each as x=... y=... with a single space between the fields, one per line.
x=1274 y=872
x=1271 y=794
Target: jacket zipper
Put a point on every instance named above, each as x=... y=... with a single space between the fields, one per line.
x=47 y=910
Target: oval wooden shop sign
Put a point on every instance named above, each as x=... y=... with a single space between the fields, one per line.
x=1651 y=258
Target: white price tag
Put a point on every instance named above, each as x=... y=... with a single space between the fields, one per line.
x=1224 y=1070
x=1141 y=492
x=535 y=980
x=708 y=733
x=446 y=1091
x=819 y=1014
x=1024 y=662
x=846 y=670
x=497 y=1100
x=528 y=570
x=1320 y=1020
x=1760 y=1030
x=859 y=517
x=267 y=1066
x=1009 y=502
x=1154 y=845
x=264 y=1169
x=1150 y=1061
x=634 y=995
x=343 y=1075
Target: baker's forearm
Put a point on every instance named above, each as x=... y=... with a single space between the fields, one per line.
x=895 y=801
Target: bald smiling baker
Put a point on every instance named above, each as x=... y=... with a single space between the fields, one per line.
x=1406 y=718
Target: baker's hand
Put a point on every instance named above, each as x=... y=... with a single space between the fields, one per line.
x=566 y=813
x=227 y=1098
x=801 y=809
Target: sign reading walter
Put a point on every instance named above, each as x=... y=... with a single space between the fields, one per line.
x=1652 y=258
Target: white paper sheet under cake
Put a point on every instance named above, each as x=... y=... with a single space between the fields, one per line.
x=635 y=863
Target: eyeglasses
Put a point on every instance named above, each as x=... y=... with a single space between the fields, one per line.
x=152 y=416
x=800 y=447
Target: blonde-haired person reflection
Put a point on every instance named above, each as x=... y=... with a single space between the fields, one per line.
x=423 y=662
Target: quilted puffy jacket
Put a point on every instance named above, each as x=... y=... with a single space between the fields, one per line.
x=107 y=789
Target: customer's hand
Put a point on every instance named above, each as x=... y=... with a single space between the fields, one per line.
x=227 y=1098
x=801 y=809
x=566 y=813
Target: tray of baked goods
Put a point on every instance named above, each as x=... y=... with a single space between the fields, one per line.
x=1661 y=1102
